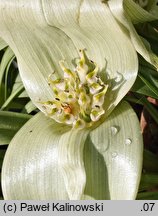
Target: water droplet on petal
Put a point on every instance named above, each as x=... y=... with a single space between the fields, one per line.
x=114 y=154
x=119 y=77
x=114 y=130
x=128 y=141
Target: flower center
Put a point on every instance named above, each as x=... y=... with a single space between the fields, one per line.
x=79 y=96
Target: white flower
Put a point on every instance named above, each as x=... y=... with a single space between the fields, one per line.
x=79 y=96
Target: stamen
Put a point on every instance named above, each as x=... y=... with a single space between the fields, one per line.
x=79 y=96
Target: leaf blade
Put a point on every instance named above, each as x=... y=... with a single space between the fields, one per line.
x=10 y=123
x=122 y=152
x=20 y=181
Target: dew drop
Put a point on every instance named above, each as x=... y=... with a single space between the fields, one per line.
x=114 y=130
x=119 y=77
x=114 y=154
x=128 y=141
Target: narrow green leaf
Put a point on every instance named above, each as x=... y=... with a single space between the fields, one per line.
x=147 y=80
x=150 y=78
x=141 y=99
x=133 y=99
x=141 y=88
x=8 y=55
x=150 y=108
x=139 y=14
x=148 y=196
x=16 y=93
x=7 y=78
x=5 y=61
x=10 y=123
x=18 y=82
x=148 y=181
x=150 y=162
x=117 y=8
x=2 y=153
x=153 y=56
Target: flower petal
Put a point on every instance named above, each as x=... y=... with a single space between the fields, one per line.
x=45 y=32
x=41 y=163
x=120 y=145
x=30 y=169
x=49 y=164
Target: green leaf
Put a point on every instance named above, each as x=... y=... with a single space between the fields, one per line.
x=150 y=79
x=150 y=108
x=112 y=159
x=2 y=153
x=49 y=31
x=121 y=14
x=148 y=196
x=153 y=56
x=18 y=82
x=149 y=32
x=138 y=14
x=10 y=123
x=16 y=93
x=6 y=59
x=148 y=181
x=141 y=99
x=150 y=162
x=147 y=80
x=141 y=88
